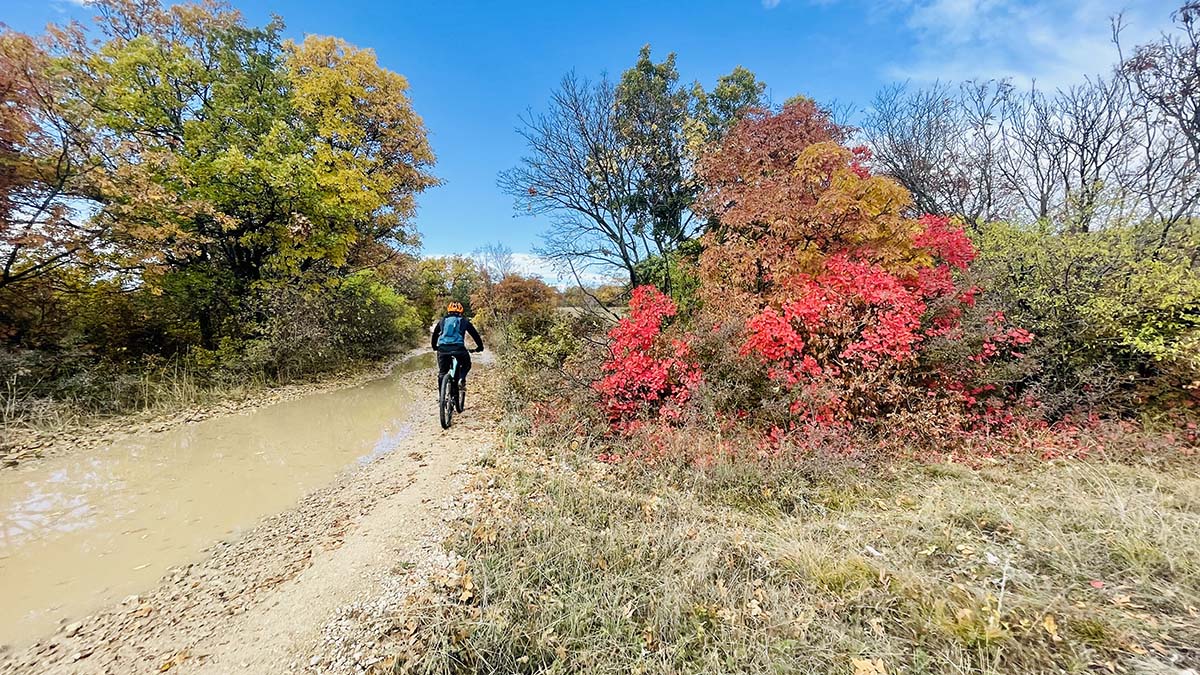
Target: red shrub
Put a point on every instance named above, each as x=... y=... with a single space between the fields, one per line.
x=848 y=342
x=647 y=375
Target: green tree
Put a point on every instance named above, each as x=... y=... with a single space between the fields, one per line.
x=447 y=278
x=664 y=126
x=237 y=160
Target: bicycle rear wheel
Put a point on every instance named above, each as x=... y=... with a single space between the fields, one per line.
x=445 y=401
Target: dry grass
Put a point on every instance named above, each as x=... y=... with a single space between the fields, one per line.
x=578 y=566
x=161 y=391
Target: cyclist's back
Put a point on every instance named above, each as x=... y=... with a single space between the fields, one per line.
x=449 y=340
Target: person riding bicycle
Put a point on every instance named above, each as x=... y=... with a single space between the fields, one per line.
x=449 y=341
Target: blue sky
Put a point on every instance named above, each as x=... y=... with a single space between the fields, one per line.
x=475 y=66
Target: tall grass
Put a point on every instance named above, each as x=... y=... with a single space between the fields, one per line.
x=38 y=406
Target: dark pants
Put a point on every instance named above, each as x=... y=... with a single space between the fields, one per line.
x=464 y=361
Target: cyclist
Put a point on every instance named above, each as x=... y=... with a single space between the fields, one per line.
x=449 y=340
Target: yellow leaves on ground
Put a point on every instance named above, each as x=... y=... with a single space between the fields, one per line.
x=460 y=580
x=868 y=667
x=1051 y=626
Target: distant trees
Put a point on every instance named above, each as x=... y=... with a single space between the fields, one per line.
x=441 y=279
x=942 y=144
x=1113 y=147
x=1165 y=80
x=613 y=164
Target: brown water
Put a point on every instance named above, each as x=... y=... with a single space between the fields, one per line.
x=81 y=531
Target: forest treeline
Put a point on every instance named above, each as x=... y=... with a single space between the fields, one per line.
x=815 y=239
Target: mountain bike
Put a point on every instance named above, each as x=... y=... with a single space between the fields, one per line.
x=452 y=394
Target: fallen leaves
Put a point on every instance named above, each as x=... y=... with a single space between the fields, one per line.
x=868 y=667
x=484 y=534
x=177 y=659
x=1051 y=626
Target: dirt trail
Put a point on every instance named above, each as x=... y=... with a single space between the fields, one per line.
x=306 y=590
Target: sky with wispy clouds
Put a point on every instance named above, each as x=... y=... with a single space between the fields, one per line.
x=475 y=65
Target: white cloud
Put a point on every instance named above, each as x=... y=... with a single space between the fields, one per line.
x=531 y=264
x=770 y=4
x=1053 y=42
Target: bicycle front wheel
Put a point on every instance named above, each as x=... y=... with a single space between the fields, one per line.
x=462 y=396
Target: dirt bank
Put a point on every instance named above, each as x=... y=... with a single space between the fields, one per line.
x=302 y=591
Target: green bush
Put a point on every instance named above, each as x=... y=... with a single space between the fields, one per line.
x=299 y=330
x=675 y=274
x=554 y=361
x=370 y=318
x=102 y=349
x=1116 y=312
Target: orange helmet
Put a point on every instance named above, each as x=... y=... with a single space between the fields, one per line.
x=454 y=307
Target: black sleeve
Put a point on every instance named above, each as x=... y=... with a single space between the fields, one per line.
x=473 y=333
x=437 y=331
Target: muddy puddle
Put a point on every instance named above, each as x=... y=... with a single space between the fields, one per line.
x=80 y=532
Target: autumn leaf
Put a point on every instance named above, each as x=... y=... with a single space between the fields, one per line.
x=868 y=667
x=1050 y=625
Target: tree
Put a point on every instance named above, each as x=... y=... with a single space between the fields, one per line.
x=1090 y=126
x=984 y=151
x=665 y=127
x=495 y=261
x=765 y=184
x=943 y=144
x=1165 y=76
x=524 y=302
x=578 y=173
x=613 y=165
x=713 y=113
x=447 y=278
x=237 y=161
x=1110 y=149
x=42 y=164
x=652 y=114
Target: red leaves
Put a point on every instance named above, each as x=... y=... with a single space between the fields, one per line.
x=861 y=154
x=1004 y=341
x=846 y=343
x=646 y=375
x=854 y=314
x=946 y=241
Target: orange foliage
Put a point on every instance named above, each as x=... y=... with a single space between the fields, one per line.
x=788 y=196
x=516 y=294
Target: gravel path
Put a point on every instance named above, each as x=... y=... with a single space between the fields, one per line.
x=307 y=590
